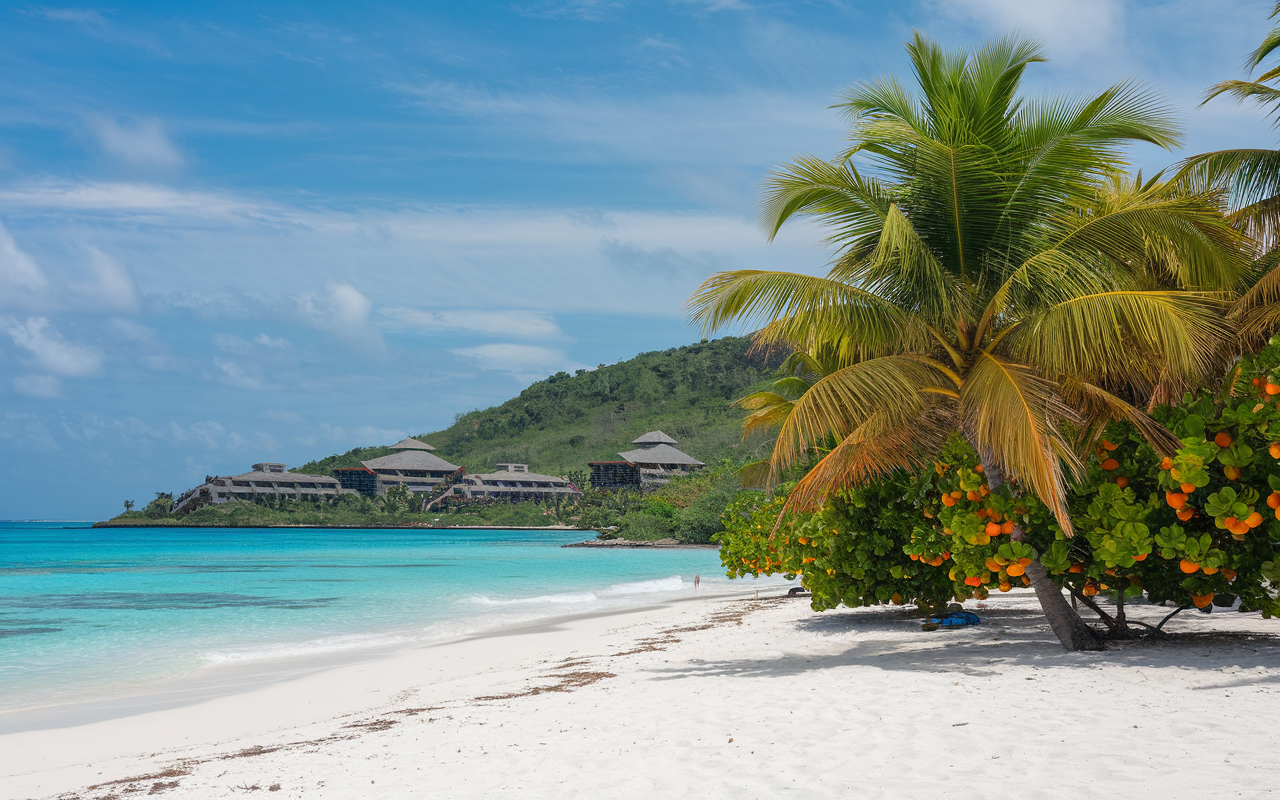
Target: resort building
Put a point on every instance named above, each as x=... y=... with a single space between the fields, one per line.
x=652 y=464
x=513 y=482
x=413 y=466
x=266 y=480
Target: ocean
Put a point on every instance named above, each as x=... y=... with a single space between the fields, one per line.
x=86 y=613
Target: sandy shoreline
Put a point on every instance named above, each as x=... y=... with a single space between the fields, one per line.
x=715 y=698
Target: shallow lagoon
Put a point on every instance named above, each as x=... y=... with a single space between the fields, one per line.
x=85 y=612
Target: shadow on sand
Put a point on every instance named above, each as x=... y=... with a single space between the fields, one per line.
x=891 y=639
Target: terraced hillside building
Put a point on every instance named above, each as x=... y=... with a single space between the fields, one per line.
x=514 y=482
x=652 y=464
x=267 y=480
x=414 y=466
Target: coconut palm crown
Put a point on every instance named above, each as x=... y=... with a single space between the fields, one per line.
x=996 y=274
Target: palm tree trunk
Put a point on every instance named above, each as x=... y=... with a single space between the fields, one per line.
x=1063 y=619
x=1065 y=622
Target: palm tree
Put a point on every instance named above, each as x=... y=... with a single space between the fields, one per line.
x=996 y=275
x=1252 y=178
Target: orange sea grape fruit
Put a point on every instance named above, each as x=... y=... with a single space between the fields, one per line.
x=1108 y=445
x=1167 y=463
x=1231 y=472
x=1122 y=481
x=1223 y=439
x=1188 y=488
x=1176 y=500
x=1185 y=514
x=1188 y=566
x=1110 y=464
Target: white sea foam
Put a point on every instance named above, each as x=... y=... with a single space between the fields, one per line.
x=315 y=647
x=618 y=590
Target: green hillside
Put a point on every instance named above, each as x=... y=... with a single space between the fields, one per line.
x=559 y=424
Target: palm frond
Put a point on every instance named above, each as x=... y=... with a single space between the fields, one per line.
x=1011 y=416
x=1110 y=337
x=1098 y=407
x=834 y=193
x=889 y=388
x=876 y=448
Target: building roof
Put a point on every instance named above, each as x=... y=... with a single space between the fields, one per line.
x=410 y=459
x=654 y=437
x=517 y=476
x=660 y=454
x=410 y=443
x=280 y=477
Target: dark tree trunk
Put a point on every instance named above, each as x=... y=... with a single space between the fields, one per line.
x=1066 y=623
x=1063 y=619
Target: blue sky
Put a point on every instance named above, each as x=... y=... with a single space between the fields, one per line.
x=237 y=232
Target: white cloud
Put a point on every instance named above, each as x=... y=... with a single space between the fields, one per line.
x=533 y=324
x=277 y=343
x=96 y=25
x=51 y=352
x=140 y=201
x=339 y=436
x=141 y=142
x=434 y=265
x=283 y=415
x=111 y=288
x=20 y=276
x=45 y=386
x=1069 y=29
x=240 y=376
x=524 y=361
x=344 y=311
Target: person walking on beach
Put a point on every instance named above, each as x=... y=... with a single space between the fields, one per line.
x=697 y=579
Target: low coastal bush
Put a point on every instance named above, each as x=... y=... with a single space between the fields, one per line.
x=687 y=509
x=1198 y=527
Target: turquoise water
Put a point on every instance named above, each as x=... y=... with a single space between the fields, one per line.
x=84 y=611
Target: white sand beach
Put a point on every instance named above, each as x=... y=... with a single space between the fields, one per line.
x=716 y=698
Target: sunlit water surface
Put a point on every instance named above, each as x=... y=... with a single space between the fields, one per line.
x=85 y=611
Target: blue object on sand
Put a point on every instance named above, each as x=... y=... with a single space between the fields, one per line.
x=957 y=619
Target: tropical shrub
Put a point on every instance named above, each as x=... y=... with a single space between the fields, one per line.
x=1197 y=528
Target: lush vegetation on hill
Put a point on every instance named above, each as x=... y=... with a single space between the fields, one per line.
x=560 y=424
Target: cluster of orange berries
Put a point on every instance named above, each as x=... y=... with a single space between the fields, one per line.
x=935 y=561
x=1268 y=388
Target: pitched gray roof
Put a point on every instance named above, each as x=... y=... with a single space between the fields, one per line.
x=411 y=444
x=660 y=454
x=654 y=437
x=410 y=459
x=281 y=477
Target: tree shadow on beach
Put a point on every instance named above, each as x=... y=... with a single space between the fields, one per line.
x=892 y=640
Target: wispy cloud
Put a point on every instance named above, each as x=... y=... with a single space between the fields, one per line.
x=42 y=386
x=48 y=351
x=525 y=362
x=139 y=142
x=344 y=311
x=532 y=324
x=589 y=10
x=241 y=376
x=95 y=24
x=20 y=277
